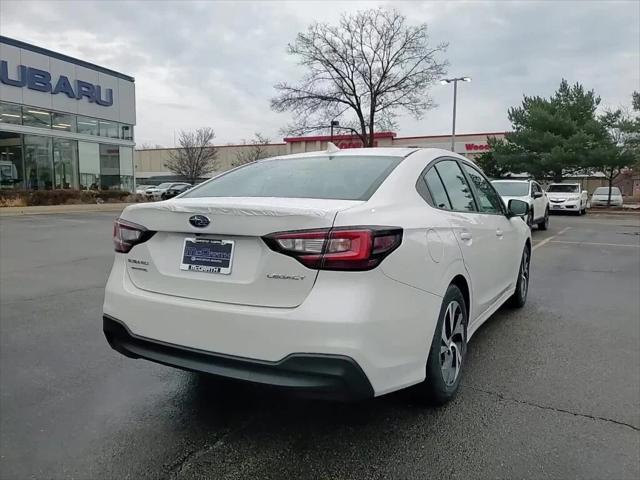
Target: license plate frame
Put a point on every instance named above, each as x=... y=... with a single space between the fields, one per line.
x=202 y=258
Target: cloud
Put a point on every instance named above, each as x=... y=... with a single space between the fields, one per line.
x=215 y=63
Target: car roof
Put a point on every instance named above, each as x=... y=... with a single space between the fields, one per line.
x=511 y=181
x=400 y=152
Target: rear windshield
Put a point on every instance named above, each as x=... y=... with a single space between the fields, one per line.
x=564 y=188
x=512 y=189
x=339 y=178
x=605 y=191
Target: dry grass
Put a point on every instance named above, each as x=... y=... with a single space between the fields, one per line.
x=13 y=202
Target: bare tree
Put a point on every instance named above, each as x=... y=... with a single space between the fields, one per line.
x=371 y=65
x=255 y=150
x=195 y=155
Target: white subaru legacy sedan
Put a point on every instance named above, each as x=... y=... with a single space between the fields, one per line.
x=345 y=274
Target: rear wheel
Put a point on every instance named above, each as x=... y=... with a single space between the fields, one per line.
x=544 y=224
x=448 y=350
x=519 y=297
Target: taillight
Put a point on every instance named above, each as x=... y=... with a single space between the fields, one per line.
x=341 y=248
x=127 y=234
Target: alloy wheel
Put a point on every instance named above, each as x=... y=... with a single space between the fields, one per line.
x=524 y=274
x=452 y=343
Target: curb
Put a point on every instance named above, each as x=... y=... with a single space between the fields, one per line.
x=57 y=209
x=630 y=211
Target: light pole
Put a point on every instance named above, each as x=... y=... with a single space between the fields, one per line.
x=455 y=81
x=334 y=123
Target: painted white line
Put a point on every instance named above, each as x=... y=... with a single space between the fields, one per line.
x=547 y=240
x=597 y=244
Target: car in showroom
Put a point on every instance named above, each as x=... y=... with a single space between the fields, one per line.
x=344 y=274
x=155 y=192
x=531 y=192
x=600 y=197
x=175 y=191
x=567 y=197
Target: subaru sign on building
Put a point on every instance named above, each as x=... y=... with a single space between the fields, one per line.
x=64 y=123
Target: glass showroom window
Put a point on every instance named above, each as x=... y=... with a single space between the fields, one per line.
x=65 y=163
x=109 y=167
x=11 y=167
x=35 y=117
x=87 y=126
x=10 y=113
x=89 y=165
x=126 y=132
x=38 y=162
x=126 y=169
x=108 y=129
x=63 y=122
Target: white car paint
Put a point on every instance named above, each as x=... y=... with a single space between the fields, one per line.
x=568 y=201
x=271 y=305
x=535 y=196
x=600 y=197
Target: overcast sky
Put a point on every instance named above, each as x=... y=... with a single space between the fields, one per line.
x=215 y=63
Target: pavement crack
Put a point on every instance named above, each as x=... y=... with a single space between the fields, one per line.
x=178 y=466
x=554 y=409
x=57 y=294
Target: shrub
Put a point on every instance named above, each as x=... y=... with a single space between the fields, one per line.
x=60 y=197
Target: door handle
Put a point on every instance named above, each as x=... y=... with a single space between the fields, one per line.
x=499 y=233
x=465 y=236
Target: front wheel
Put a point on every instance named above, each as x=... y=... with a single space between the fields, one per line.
x=447 y=352
x=519 y=297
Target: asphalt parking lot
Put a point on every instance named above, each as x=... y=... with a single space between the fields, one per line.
x=550 y=391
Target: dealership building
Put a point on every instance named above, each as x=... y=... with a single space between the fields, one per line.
x=150 y=163
x=64 y=123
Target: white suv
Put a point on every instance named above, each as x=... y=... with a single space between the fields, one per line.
x=348 y=273
x=531 y=192
x=567 y=197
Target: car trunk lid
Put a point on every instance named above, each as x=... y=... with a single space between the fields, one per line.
x=256 y=275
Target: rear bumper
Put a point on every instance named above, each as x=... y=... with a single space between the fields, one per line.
x=329 y=376
x=384 y=326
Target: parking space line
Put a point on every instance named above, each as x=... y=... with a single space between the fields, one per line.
x=547 y=240
x=597 y=244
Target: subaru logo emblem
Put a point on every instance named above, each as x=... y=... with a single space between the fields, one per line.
x=199 y=221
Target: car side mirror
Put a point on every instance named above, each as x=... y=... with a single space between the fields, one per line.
x=537 y=194
x=518 y=208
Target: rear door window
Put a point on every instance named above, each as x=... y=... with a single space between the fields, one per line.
x=436 y=188
x=339 y=178
x=458 y=190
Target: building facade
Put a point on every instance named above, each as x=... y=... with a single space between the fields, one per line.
x=64 y=123
x=150 y=163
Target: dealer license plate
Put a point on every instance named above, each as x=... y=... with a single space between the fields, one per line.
x=207 y=255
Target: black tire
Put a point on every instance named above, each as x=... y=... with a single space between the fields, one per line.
x=438 y=386
x=530 y=219
x=544 y=224
x=519 y=297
